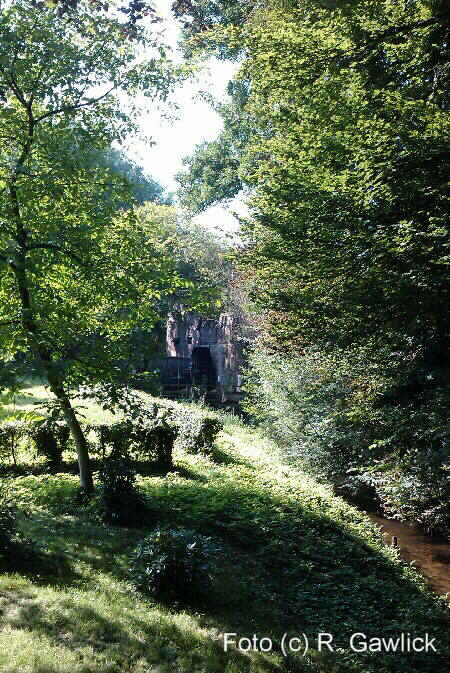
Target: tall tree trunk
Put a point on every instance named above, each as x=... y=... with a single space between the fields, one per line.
x=54 y=377
x=71 y=419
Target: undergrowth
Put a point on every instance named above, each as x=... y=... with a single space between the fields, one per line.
x=293 y=559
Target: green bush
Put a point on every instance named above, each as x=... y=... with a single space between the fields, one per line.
x=15 y=547
x=112 y=438
x=304 y=404
x=50 y=438
x=196 y=429
x=416 y=490
x=8 y=528
x=155 y=440
x=371 y=424
x=11 y=432
x=143 y=438
x=121 y=502
x=174 y=564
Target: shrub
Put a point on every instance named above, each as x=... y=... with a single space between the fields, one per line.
x=11 y=432
x=144 y=437
x=8 y=528
x=372 y=423
x=51 y=438
x=155 y=440
x=304 y=404
x=121 y=502
x=115 y=437
x=15 y=548
x=197 y=431
x=174 y=564
x=416 y=490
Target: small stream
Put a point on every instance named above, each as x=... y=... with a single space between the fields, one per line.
x=431 y=555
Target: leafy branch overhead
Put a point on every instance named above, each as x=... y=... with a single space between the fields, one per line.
x=337 y=131
x=65 y=252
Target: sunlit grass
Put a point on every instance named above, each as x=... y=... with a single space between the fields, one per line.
x=295 y=559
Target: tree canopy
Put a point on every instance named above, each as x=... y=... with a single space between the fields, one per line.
x=346 y=161
x=143 y=187
x=71 y=270
x=346 y=251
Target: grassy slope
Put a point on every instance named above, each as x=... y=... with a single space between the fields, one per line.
x=296 y=559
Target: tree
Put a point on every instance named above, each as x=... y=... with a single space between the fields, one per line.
x=134 y=11
x=346 y=163
x=201 y=259
x=348 y=241
x=68 y=268
x=350 y=198
x=143 y=187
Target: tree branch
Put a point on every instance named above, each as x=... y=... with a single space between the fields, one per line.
x=374 y=41
x=407 y=27
x=57 y=248
x=71 y=108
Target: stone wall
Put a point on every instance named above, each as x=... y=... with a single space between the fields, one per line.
x=188 y=331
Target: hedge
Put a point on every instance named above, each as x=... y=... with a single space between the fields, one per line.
x=196 y=429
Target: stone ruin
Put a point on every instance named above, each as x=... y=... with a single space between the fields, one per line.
x=204 y=357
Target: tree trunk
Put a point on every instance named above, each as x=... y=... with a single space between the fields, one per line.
x=54 y=378
x=71 y=419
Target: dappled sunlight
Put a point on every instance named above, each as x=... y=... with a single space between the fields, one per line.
x=292 y=558
x=107 y=632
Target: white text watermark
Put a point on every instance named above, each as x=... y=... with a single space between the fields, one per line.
x=324 y=642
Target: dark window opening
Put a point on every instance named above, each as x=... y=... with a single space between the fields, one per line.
x=204 y=372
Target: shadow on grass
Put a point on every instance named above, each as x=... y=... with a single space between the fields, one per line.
x=221 y=457
x=42 y=566
x=126 y=638
x=37 y=469
x=288 y=564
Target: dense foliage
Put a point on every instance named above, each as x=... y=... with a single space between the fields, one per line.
x=196 y=428
x=16 y=549
x=8 y=527
x=142 y=433
x=11 y=432
x=120 y=503
x=336 y=129
x=144 y=438
x=345 y=158
x=51 y=438
x=173 y=564
x=199 y=256
x=72 y=272
x=142 y=186
x=335 y=413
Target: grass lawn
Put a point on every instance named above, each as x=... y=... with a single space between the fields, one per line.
x=295 y=560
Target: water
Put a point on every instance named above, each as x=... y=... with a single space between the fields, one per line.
x=431 y=555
